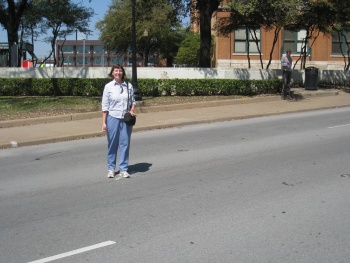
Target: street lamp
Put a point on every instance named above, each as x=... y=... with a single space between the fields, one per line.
x=145 y=61
x=137 y=94
x=83 y=52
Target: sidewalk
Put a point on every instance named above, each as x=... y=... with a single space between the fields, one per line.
x=79 y=126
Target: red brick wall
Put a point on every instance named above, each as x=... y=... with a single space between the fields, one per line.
x=321 y=49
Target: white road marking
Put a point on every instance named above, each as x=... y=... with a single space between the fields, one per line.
x=338 y=126
x=74 y=252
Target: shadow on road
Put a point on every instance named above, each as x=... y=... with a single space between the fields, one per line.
x=139 y=168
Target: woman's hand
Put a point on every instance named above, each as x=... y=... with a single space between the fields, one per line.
x=132 y=112
x=104 y=127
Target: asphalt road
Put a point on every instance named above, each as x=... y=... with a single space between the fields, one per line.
x=270 y=189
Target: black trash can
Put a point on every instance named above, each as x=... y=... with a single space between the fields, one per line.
x=311 y=78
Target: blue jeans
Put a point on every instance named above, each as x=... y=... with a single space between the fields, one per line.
x=118 y=136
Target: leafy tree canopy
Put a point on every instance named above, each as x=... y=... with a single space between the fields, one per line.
x=63 y=18
x=11 y=13
x=156 y=24
x=60 y=17
x=189 y=51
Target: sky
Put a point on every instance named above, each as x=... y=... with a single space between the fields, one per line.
x=100 y=8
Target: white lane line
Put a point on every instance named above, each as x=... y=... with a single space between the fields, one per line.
x=339 y=126
x=74 y=252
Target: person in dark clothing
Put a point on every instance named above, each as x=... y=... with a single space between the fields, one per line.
x=287 y=66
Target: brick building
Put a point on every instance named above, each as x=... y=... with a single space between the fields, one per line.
x=231 y=51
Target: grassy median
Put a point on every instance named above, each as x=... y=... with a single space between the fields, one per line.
x=31 y=107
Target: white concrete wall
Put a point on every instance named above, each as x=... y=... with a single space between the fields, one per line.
x=276 y=64
x=329 y=76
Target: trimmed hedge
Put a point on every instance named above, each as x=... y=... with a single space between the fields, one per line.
x=147 y=87
x=207 y=87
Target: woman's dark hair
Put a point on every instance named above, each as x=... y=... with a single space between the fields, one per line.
x=119 y=67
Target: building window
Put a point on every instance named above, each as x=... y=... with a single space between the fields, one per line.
x=294 y=40
x=67 y=61
x=241 y=41
x=98 y=49
x=114 y=52
x=80 y=61
x=80 y=49
x=117 y=60
x=98 y=61
x=339 y=42
x=67 y=49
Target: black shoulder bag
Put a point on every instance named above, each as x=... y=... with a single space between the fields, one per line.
x=128 y=118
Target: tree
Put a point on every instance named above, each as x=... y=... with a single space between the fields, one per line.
x=277 y=15
x=63 y=18
x=155 y=26
x=314 y=17
x=341 y=27
x=30 y=27
x=252 y=17
x=11 y=13
x=206 y=9
x=115 y=27
x=172 y=40
x=189 y=51
x=268 y=14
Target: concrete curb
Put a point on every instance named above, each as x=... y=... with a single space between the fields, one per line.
x=238 y=117
x=50 y=119
x=89 y=122
x=139 y=110
x=54 y=140
x=157 y=127
x=148 y=109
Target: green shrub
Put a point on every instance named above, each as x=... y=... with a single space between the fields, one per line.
x=41 y=87
x=15 y=86
x=147 y=87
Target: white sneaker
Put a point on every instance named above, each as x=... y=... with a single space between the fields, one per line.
x=110 y=174
x=125 y=174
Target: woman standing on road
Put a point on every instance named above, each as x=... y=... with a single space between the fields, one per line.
x=114 y=106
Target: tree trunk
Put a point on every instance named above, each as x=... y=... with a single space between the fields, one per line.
x=206 y=9
x=248 y=45
x=13 y=18
x=275 y=39
x=146 y=58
